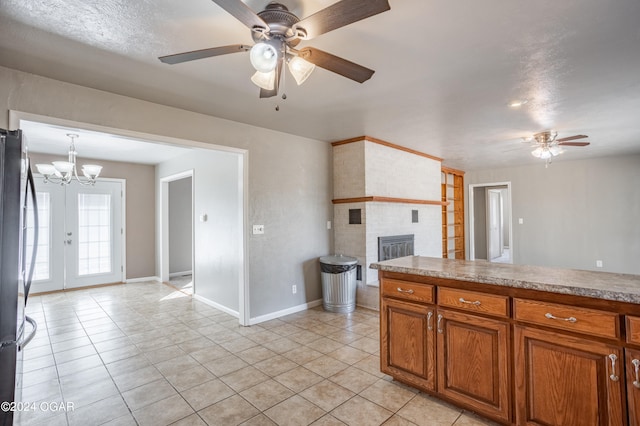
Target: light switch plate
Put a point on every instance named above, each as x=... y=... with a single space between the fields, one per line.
x=258 y=229
x=520 y=221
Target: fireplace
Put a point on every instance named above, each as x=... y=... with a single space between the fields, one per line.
x=395 y=246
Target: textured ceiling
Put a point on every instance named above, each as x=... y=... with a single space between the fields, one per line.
x=445 y=70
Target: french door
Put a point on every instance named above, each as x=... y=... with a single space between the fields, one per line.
x=81 y=231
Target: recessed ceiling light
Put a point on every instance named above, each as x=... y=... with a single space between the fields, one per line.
x=517 y=103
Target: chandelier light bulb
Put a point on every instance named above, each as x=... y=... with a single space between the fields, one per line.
x=263 y=57
x=265 y=80
x=300 y=69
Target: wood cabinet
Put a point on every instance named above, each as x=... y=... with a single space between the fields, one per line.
x=567 y=380
x=473 y=362
x=407 y=342
x=469 y=358
x=517 y=356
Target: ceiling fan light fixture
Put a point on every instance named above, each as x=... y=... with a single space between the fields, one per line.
x=537 y=152
x=300 y=69
x=263 y=57
x=555 y=150
x=265 y=80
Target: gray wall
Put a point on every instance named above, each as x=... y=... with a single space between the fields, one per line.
x=218 y=240
x=180 y=225
x=575 y=212
x=290 y=183
x=140 y=205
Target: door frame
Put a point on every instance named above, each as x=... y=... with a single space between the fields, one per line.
x=244 y=281
x=471 y=219
x=123 y=239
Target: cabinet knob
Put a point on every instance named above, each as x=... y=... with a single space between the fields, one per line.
x=468 y=302
x=613 y=375
x=410 y=291
x=553 y=317
x=429 y=326
x=636 y=367
x=440 y=330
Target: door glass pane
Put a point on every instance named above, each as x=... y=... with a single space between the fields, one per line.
x=94 y=234
x=41 y=270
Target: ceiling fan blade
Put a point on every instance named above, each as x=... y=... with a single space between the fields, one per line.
x=336 y=64
x=204 y=53
x=572 y=138
x=339 y=14
x=574 y=143
x=264 y=93
x=242 y=13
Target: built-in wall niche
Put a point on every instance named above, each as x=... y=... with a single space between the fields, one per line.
x=355 y=216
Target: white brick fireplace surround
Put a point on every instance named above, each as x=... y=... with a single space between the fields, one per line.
x=386 y=188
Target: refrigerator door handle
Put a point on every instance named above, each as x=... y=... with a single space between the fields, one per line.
x=34 y=324
x=34 y=252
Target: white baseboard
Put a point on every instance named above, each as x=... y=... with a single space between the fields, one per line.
x=282 y=313
x=142 y=279
x=179 y=274
x=217 y=306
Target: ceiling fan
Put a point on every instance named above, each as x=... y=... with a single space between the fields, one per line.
x=277 y=31
x=548 y=146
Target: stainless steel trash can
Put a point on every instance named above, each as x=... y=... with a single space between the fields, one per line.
x=338 y=283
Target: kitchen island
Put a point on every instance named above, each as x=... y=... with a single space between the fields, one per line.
x=521 y=345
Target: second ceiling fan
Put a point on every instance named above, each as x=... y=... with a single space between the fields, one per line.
x=277 y=31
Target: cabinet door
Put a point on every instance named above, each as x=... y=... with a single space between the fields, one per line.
x=565 y=380
x=407 y=342
x=633 y=385
x=473 y=362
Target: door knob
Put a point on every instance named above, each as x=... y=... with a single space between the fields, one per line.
x=68 y=241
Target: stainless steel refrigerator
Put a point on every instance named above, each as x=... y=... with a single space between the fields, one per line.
x=17 y=200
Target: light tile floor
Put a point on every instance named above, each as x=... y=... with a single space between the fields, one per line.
x=147 y=354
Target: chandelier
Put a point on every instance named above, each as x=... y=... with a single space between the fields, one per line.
x=63 y=172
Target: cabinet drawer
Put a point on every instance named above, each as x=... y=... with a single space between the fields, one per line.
x=474 y=301
x=407 y=290
x=633 y=330
x=565 y=317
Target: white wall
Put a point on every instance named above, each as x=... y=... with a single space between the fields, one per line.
x=180 y=226
x=290 y=181
x=217 y=178
x=574 y=212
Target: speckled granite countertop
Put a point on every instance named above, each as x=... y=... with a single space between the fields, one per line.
x=601 y=285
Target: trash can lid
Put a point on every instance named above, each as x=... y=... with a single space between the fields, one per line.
x=338 y=259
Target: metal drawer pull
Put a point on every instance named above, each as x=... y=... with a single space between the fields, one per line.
x=551 y=316
x=430 y=327
x=439 y=324
x=613 y=359
x=636 y=366
x=410 y=291
x=468 y=302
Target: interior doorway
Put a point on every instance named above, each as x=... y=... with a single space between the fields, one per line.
x=180 y=202
x=490 y=224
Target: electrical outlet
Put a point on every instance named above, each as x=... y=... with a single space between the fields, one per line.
x=258 y=229
x=294 y=289
x=328 y=224
x=599 y=264
x=520 y=221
